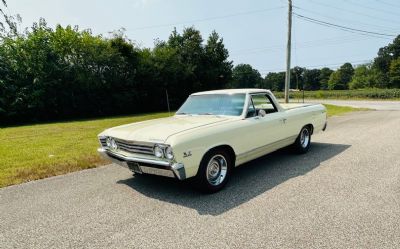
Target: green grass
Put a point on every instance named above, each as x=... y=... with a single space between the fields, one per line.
x=373 y=93
x=37 y=151
x=334 y=110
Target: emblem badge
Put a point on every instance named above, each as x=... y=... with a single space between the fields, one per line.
x=187 y=154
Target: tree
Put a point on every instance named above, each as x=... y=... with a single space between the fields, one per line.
x=394 y=73
x=366 y=76
x=244 y=76
x=274 y=81
x=218 y=70
x=296 y=79
x=311 y=79
x=8 y=21
x=324 y=76
x=340 y=79
x=62 y=73
x=360 y=78
x=386 y=55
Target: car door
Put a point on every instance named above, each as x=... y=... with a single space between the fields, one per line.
x=264 y=125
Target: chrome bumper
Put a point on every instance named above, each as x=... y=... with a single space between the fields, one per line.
x=325 y=125
x=144 y=165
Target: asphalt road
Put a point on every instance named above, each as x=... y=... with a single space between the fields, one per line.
x=371 y=104
x=345 y=193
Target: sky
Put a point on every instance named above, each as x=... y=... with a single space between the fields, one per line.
x=254 y=31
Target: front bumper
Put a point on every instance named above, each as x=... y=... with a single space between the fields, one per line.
x=325 y=125
x=144 y=165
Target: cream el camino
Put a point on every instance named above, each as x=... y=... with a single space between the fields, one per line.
x=212 y=133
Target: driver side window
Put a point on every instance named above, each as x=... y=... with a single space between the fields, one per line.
x=261 y=104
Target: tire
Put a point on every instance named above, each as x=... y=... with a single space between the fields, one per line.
x=214 y=171
x=303 y=141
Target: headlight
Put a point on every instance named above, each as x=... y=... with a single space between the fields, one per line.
x=168 y=153
x=108 y=142
x=111 y=143
x=158 y=151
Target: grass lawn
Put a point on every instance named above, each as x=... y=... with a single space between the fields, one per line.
x=37 y=151
x=334 y=110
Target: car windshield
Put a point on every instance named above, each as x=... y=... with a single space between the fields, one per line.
x=213 y=104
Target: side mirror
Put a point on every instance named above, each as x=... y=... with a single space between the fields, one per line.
x=261 y=113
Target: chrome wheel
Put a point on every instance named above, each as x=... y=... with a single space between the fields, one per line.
x=216 y=171
x=304 y=137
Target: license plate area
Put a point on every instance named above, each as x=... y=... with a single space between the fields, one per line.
x=135 y=167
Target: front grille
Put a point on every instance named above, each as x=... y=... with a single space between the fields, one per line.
x=134 y=147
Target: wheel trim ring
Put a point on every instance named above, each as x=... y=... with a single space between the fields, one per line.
x=304 y=138
x=217 y=168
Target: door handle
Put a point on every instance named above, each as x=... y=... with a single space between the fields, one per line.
x=283 y=120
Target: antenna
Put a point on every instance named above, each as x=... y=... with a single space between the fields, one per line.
x=169 y=111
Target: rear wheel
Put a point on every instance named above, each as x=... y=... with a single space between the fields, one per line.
x=303 y=141
x=214 y=171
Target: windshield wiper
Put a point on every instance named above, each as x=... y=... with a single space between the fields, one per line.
x=182 y=113
x=206 y=113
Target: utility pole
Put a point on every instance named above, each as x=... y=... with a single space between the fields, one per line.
x=288 y=51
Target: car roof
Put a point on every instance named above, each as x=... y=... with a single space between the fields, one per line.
x=232 y=91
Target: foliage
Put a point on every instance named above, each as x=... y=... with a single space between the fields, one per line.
x=366 y=76
x=340 y=79
x=244 y=76
x=387 y=54
x=65 y=73
x=8 y=23
x=324 y=75
x=394 y=73
x=312 y=79
x=274 y=81
x=371 y=93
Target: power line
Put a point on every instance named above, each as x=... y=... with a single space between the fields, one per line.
x=354 y=12
x=206 y=19
x=344 y=28
x=385 y=28
x=302 y=45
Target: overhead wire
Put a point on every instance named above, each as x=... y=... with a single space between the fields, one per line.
x=385 y=28
x=353 y=12
x=344 y=28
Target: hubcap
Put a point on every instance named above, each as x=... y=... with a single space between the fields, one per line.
x=304 y=138
x=216 y=170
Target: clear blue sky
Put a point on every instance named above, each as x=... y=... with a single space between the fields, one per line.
x=254 y=31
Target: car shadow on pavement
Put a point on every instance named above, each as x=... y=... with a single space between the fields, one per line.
x=247 y=182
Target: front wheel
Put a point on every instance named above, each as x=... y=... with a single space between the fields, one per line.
x=303 y=141
x=214 y=171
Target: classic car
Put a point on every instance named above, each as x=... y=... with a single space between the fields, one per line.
x=211 y=133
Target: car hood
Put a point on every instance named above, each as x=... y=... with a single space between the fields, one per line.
x=159 y=130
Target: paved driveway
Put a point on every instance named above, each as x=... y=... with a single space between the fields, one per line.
x=345 y=193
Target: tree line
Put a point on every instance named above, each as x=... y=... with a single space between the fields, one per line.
x=383 y=72
x=63 y=73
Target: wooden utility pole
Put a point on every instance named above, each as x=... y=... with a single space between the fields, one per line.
x=288 y=51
